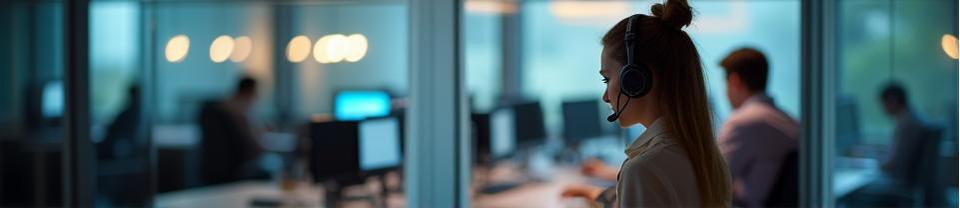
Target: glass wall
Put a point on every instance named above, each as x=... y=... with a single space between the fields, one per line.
x=289 y=99
x=31 y=103
x=304 y=103
x=896 y=103
x=559 y=45
x=118 y=121
x=293 y=103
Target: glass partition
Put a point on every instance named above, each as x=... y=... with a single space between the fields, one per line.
x=32 y=103
x=896 y=104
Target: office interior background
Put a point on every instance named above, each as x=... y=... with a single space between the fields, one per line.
x=383 y=103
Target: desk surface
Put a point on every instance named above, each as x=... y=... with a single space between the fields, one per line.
x=851 y=174
x=533 y=194
x=240 y=194
x=537 y=194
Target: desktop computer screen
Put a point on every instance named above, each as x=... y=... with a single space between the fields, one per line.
x=528 y=118
x=502 y=134
x=379 y=144
x=847 y=124
x=359 y=104
x=581 y=120
x=53 y=99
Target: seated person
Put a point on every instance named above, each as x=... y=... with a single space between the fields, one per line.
x=758 y=137
x=908 y=135
x=229 y=146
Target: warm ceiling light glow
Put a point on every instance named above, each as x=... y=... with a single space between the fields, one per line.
x=603 y=11
x=357 y=47
x=221 y=48
x=298 y=49
x=337 y=48
x=320 y=50
x=949 y=44
x=490 y=7
x=177 y=48
x=242 y=46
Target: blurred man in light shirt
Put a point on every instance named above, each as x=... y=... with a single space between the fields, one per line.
x=758 y=137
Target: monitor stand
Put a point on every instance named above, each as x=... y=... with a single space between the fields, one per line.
x=570 y=155
x=536 y=165
x=333 y=191
x=492 y=185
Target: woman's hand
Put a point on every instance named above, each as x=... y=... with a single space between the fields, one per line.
x=596 y=168
x=585 y=191
x=592 y=167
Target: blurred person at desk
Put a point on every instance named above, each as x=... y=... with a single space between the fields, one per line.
x=121 y=136
x=229 y=146
x=908 y=135
x=759 y=140
x=675 y=162
x=909 y=171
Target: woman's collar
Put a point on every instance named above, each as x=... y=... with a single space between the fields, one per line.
x=651 y=133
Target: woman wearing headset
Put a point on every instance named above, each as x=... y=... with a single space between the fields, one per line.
x=675 y=163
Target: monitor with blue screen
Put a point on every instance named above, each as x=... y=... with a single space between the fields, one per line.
x=379 y=144
x=357 y=104
x=53 y=99
x=502 y=133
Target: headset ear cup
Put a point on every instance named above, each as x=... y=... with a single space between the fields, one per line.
x=635 y=81
x=629 y=84
x=646 y=76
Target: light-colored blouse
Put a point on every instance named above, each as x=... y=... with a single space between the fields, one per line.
x=657 y=173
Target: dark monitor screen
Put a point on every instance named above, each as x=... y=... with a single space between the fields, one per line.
x=528 y=122
x=581 y=120
x=334 y=150
x=502 y=133
x=480 y=133
x=380 y=144
x=352 y=105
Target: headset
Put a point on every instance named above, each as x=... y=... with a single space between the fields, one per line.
x=635 y=78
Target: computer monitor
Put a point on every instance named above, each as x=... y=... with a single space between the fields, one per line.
x=352 y=105
x=848 y=124
x=502 y=133
x=380 y=145
x=528 y=118
x=334 y=150
x=52 y=100
x=581 y=120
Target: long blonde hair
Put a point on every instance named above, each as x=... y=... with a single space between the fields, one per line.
x=670 y=52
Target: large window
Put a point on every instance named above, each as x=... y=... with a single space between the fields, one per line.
x=888 y=154
x=562 y=48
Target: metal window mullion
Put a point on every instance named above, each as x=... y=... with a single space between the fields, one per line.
x=435 y=173
x=816 y=149
x=79 y=166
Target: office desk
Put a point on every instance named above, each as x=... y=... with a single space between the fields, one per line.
x=851 y=174
x=241 y=194
x=537 y=194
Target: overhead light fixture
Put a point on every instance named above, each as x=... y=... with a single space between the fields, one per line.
x=242 y=46
x=337 y=48
x=949 y=44
x=177 y=48
x=490 y=7
x=357 y=47
x=590 y=11
x=298 y=49
x=320 y=50
x=221 y=48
